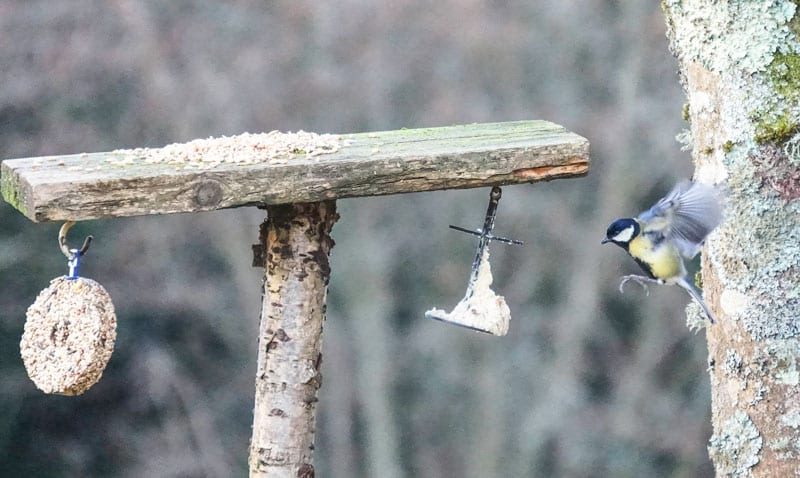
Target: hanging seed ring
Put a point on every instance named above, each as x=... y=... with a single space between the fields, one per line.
x=69 y=336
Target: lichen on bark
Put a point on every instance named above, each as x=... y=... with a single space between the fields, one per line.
x=738 y=64
x=736 y=446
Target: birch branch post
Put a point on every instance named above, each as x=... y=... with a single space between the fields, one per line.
x=294 y=246
x=297 y=241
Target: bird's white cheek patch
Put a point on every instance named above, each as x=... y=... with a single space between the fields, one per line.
x=625 y=235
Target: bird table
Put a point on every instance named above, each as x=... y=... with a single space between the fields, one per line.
x=297 y=178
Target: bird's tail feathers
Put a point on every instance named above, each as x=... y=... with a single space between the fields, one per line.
x=697 y=297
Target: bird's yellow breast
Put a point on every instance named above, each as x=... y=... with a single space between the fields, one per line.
x=663 y=259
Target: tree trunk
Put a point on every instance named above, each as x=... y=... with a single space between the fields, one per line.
x=740 y=67
x=294 y=248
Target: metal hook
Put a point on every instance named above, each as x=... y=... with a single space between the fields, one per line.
x=488 y=224
x=73 y=255
x=485 y=234
x=62 y=241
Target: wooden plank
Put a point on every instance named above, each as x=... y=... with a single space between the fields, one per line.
x=114 y=184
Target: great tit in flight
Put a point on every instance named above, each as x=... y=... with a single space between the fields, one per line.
x=675 y=227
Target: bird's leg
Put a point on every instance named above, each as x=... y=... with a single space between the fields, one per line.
x=641 y=280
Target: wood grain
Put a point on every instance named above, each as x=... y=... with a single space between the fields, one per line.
x=97 y=185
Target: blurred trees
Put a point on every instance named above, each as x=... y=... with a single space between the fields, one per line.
x=587 y=383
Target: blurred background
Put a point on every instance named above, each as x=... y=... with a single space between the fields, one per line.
x=588 y=382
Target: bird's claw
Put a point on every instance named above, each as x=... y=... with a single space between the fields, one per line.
x=638 y=279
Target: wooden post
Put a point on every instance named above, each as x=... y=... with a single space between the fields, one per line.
x=294 y=247
x=298 y=190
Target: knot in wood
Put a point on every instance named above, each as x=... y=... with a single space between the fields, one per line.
x=207 y=193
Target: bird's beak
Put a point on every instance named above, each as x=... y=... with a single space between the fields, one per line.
x=605 y=240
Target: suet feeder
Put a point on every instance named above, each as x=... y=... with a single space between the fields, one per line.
x=70 y=330
x=481 y=309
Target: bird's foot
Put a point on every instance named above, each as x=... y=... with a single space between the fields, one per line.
x=641 y=280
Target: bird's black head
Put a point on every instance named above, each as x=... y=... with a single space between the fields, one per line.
x=621 y=231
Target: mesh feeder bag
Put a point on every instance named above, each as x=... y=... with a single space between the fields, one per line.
x=69 y=336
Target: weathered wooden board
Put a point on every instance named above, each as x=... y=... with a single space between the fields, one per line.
x=103 y=185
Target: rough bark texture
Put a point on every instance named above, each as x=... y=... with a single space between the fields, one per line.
x=741 y=70
x=297 y=242
x=102 y=185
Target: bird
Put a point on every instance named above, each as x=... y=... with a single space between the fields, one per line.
x=673 y=229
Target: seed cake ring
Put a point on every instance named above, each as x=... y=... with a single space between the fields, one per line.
x=69 y=336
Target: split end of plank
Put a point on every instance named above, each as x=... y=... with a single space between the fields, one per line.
x=545 y=173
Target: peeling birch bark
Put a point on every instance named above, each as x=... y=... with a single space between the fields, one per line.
x=296 y=244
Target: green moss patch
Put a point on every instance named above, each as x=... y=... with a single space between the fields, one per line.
x=779 y=130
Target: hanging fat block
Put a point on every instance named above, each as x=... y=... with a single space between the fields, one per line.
x=69 y=336
x=480 y=309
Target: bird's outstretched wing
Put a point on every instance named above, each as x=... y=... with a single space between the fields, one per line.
x=686 y=216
